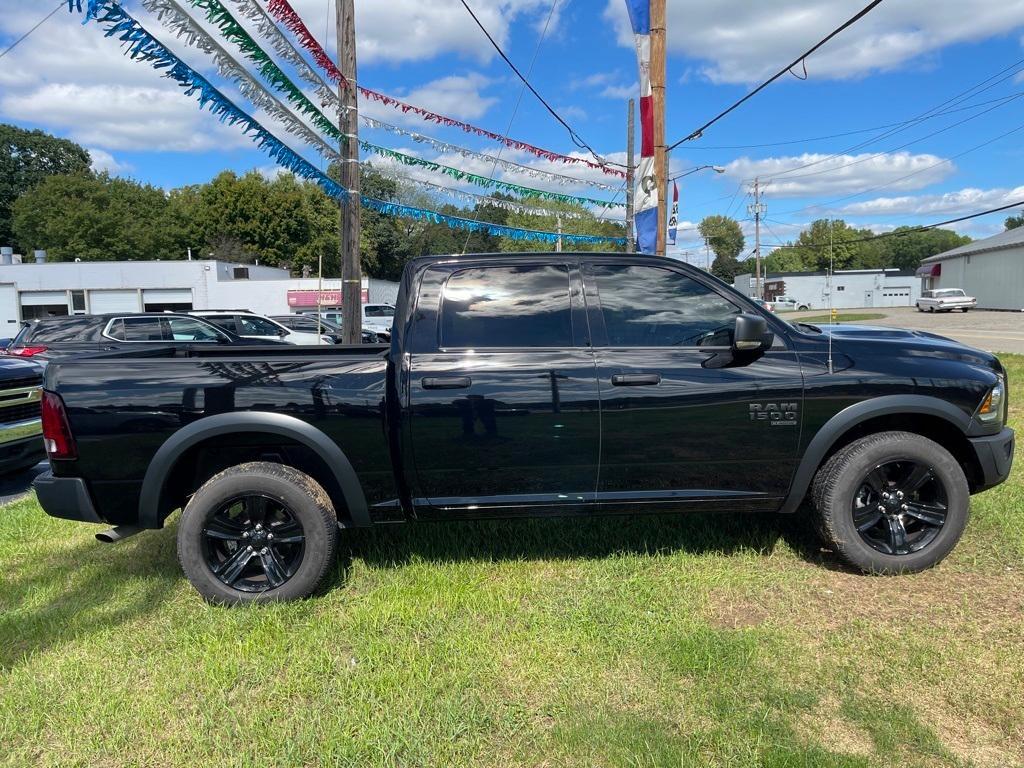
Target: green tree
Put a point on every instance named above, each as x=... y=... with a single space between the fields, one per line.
x=26 y=158
x=907 y=247
x=726 y=239
x=1012 y=222
x=828 y=242
x=97 y=218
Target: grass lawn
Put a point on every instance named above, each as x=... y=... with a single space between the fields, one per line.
x=678 y=640
x=844 y=317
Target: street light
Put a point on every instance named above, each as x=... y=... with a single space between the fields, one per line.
x=715 y=168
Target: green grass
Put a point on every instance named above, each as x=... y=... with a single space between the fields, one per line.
x=679 y=640
x=844 y=317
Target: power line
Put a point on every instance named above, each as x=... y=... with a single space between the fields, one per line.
x=40 y=23
x=853 y=132
x=928 y=114
x=576 y=138
x=860 y=15
x=905 y=176
x=922 y=228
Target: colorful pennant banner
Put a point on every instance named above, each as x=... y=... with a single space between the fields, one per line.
x=142 y=46
x=286 y=15
x=173 y=16
x=328 y=98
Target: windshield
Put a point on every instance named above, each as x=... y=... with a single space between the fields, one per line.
x=947 y=292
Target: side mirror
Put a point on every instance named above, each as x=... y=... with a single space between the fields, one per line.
x=751 y=334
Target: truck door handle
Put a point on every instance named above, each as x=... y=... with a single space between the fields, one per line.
x=452 y=382
x=635 y=379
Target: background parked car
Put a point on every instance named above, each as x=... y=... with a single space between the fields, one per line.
x=788 y=302
x=54 y=337
x=376 y=317
x=766 y=305
x=945 y=300
x=308 y=324
x=249 y=325
x=21 y=440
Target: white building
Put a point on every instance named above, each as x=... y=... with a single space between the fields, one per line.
x=850 y=288
x=33 y=289
x=991 y=270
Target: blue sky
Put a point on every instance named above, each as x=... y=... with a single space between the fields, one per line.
x=903 y=60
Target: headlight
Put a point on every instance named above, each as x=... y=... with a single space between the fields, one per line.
x=992 y=407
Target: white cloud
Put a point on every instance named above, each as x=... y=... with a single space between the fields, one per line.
x=103 y=161
x=743 y=41
x=963 y=201
x=414 y=30
x=842 y=174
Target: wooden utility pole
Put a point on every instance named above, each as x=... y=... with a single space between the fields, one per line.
x=658 y=107
x=630 y=177
x=348 y=120
x=757 y=208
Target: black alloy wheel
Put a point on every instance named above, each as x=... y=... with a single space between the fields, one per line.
x=900 y=507
x=253 y=543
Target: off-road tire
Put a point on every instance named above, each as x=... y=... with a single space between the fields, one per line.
x=836 y=482
x=305 y=499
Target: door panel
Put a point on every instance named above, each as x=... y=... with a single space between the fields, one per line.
x=502 y=390
x=683 y=416
x=701 y=431
x=502 y=428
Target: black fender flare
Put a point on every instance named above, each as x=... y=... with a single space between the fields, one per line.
x=889 y=405
x=228 y=423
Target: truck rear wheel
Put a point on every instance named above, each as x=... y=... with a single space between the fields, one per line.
x=257 y=532
x=892 y=502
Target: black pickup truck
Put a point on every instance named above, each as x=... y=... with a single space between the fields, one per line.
x=531 y=384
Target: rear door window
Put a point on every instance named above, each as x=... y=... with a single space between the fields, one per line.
x=515 y=306
x=142 y=329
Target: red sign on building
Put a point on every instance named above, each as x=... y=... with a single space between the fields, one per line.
x=309 y=298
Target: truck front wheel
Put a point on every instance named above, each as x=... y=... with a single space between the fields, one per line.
x=892 y=502
x=257 y=532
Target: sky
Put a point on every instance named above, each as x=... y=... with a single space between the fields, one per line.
x=911 y=116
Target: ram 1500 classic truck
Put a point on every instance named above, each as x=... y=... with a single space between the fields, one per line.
x=529 y=384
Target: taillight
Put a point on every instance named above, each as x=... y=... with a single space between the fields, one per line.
x=29 y=351
x=57 y=437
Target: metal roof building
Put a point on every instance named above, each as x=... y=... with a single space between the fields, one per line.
x=991 y=270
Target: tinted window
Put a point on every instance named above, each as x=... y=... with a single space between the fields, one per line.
x=224 y=321
x=190 y=329
x=379 y=311
x=142 y=329
x=654 y=307
x=248 y=325
x=83 y=329
x=507 y=307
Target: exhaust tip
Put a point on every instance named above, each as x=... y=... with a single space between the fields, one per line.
x=118 y=533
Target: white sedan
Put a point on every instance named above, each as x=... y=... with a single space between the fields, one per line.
x=945 y=300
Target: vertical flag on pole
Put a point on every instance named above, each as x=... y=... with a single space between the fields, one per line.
x=646 y=216
x=673 y=218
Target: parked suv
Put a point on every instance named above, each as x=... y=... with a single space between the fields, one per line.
x=945 y=300
x=53 y=337
x=249 y=325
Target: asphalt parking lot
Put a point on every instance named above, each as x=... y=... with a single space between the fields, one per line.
x=992 y=331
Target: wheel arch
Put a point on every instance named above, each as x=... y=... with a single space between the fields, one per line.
x=278 y=424
x=921 y=414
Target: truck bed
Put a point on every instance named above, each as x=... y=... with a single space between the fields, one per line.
x=124 y=405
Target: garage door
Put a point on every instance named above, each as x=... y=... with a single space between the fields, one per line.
x=167 y=299
x=896 y=296
x=103 y=302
